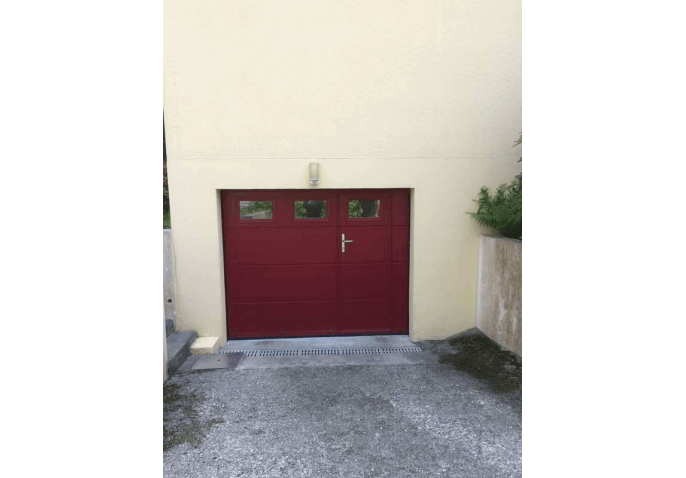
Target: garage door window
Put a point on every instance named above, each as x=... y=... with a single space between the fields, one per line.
x=358 y=208
x=255 y=210
x=310 y=209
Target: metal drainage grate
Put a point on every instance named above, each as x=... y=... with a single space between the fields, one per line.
x=270 y=353
x=277 y=353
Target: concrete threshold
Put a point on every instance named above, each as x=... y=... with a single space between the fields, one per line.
x=367 y=342
x=248 y=363
x=314 y=343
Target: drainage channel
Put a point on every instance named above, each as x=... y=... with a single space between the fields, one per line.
x=276 y=353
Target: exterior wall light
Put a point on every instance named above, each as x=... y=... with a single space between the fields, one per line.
x=314 y=174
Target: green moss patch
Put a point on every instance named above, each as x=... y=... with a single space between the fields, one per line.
x=483 y=359
x=181 y=421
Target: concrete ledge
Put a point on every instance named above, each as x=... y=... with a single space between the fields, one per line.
x=205 y=346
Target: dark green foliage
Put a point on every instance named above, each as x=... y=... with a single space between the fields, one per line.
x=310 y=209
x=503 y=210
x=166 y=215
x=354 y=209
x=255 y=206
x=165 y=189
x=362 y=208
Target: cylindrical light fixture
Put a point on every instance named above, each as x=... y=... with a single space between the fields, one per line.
x=314 y=174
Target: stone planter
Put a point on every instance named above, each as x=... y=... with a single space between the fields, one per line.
x=499 y=298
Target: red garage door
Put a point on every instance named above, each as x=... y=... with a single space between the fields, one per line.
x=289 y=272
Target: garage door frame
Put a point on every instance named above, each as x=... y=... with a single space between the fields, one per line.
x=397 y=204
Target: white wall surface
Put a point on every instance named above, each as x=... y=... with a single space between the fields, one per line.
x=382 y=93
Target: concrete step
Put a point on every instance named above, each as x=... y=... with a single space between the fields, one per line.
x=179 y=349
x=169 y=324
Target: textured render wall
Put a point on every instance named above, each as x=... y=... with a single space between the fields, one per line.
x=499 y=310
x=382 y=93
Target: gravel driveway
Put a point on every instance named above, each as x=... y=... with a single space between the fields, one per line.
x=460 y=417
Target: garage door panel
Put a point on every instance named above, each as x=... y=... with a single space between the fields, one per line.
x=399 y=281
x=364 y=281
x=282 y=319
x=252 y=209
x=364 y=208
x=289 y=283
x=401 y=243
x=364 y=316
x=266 y=246
x=370 y=244
x=309 y=209
x=400 y=316
x=401 y=208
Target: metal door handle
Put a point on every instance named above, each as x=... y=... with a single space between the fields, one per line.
x=343 y=241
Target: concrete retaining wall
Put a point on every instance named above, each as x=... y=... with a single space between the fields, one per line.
x=164 y=348
x=169 y=277
x=499 y=298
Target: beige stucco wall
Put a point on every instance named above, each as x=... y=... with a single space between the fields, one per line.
x=382 y=93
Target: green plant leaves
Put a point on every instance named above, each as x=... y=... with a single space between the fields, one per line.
x=503 y=210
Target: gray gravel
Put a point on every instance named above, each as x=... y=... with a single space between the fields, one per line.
x=427 y=420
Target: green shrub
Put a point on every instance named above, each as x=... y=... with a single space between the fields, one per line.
x=165 y=189
x=503 y=210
